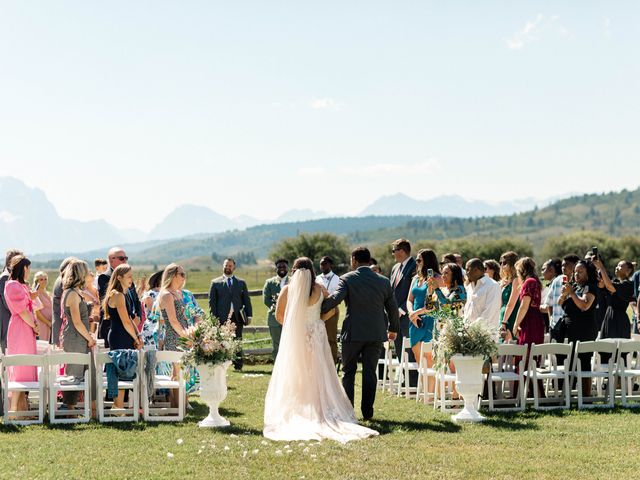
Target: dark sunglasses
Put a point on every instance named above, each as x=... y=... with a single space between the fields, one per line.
x=122 y=259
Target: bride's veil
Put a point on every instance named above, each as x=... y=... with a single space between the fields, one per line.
x=293 y=364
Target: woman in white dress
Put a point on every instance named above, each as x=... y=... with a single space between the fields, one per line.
x=305 y=400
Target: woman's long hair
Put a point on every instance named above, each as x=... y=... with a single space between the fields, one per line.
x=18 y=268
x=305 y=262
x=168 y=275
x=526 y=268
x=429 y=261
x=508 y=268
x=114 y=285
x=75 y=275
x=457 y=279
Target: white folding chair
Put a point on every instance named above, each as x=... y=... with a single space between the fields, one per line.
x=164 y=412
x=628 y=370
x=59 y=383
x=443 y=391
x=130 y=414
x=390 y=365
x=37 y=387
x=407 y=366
x=424 y=374
x=547 y=352
x=507 y=373
x=608 y=371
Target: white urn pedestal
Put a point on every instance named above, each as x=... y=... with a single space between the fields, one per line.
x=213 y=390
x=469 y=383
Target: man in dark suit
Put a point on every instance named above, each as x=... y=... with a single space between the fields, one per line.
x=402 y=274
x=229 y=301
x=367 y=296
x=116 y=256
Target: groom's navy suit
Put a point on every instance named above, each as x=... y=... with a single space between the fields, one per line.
x=367 y=296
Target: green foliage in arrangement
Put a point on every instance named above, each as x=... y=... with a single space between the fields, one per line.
x=314 y=246
x=211 y=343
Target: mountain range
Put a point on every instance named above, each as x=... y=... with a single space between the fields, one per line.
x=30 y=221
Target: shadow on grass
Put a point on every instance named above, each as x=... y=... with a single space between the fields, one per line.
x=386 y=427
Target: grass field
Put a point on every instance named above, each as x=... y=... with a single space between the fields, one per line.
x=414 y=442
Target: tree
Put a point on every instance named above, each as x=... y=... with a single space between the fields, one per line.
x=580 y=243
x=314 y=246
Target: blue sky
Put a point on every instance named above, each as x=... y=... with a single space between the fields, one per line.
x=255 y=107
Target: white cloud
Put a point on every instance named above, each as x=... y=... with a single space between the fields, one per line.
x=429 y=166
x=325 y=103
x=311 y=171
x=533 y=29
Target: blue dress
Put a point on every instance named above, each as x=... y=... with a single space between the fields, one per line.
x=424 y=333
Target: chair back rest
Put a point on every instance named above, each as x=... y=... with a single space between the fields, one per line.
x=102 y=358
x=629 y=346
x=168 y=356
x=505 y=349
x=42 y=347
x=551 y=349
x=426 y=347
x=406 y=343
x=68 y=358
x=635 y=336
x=598 y=346
x=23 y=360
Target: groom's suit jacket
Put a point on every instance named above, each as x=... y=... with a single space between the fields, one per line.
x=367 y=296
x=221 y=298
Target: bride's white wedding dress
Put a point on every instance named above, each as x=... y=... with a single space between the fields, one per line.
x=305 y=400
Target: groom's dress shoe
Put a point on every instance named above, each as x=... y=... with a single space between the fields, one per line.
x=367 y=415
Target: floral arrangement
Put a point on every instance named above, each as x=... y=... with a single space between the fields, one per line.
x=210 y=342
x=456 y=337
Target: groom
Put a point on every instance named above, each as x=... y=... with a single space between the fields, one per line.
x=367 y=296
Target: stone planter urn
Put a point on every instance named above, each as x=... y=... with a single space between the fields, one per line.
x=469 y=383
x=213 y=390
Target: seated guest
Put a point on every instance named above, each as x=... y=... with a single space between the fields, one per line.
x=76 y=333
x=491 y=269
x=483 y=298
x=23 y=327
x=619 y=293
x=510 y=298
x=579 y=303
x=121 y=317
x=150 y=333
x=45 y=312
x=529 y=324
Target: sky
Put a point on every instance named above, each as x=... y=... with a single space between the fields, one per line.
x=124 y=110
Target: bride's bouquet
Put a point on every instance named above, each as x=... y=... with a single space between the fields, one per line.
x=209 y=342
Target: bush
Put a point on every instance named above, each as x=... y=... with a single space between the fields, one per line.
x=315 y=246
x=580 y=243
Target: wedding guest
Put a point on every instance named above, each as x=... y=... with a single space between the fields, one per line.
x=150 y=330
x=529 y=324
x=229 y=301
x=635 y=279
x=194 y=315
x=510 y=297
x=402 y=275
x=492 y=270
x=5 y=313
x=76 y=332
x=449 y=258
x=454 y=292
x=557 y=328
x=270 y=292
x=483 y=297
x=23 y=327
x=122 y=318
x=90 y=295
x=44 y=314
x=460 y=262
x=419 y=302
x=376 y=268
x=172 y=309
x=56 y=326
x=578 y=301
x=329 y=280
x=116 y=256
x=551 y=269
x=619 y=293
x=101 y=266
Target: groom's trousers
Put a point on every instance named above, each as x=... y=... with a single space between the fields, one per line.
x=370 y=352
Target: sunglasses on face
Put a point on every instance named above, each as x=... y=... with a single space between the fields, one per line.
x=122 y=258
x=182 y=274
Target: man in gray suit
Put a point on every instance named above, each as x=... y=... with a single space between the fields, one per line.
x=367 y=296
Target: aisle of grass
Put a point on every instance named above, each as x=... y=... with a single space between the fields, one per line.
x=415 y=442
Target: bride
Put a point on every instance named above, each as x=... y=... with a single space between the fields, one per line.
x=305 y=400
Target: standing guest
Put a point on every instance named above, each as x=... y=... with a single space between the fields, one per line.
x=43 y=314
x=423 y=286
x=76 y=333
x=550 y=270
x=402 y=275
x=453 y=280
x=116 y=257
x=492 y=270
x=460 y=263
x=123 y=331
x=5 y=313
x=101 y=266
x=529 y=324
x=448 y=258
x=329 y=280
x=510 y=297
x=376 y=268
x=579 y=303
x=635 y=279
x=56 y=326
x=483 y=298
x=150 y=330
x=23 y=327
x=172 y=308
x=229 y=301
x=557 y=328
x=616 y=322
x=270 y=293
x=90 y=295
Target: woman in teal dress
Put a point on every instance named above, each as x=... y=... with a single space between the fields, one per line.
x=510 y=284
x=456 y=294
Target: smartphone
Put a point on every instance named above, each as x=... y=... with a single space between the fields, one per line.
x=595 y=252
x=565 y=279
x=430 y=272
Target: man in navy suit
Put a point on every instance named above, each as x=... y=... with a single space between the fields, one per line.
x=402 y=274
x=229 y=301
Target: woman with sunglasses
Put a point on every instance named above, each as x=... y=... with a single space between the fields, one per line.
x=510 y=284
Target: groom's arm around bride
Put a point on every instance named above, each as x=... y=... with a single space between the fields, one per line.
x=367 y=296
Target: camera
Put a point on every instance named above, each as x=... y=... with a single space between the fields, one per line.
x=430 y=272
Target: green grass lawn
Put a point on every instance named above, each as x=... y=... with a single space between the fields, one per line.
x=415 y=442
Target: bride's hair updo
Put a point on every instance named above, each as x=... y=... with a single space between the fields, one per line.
x=305 y=262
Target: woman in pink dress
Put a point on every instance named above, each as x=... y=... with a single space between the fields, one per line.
x=23 y=328
x=44 y=313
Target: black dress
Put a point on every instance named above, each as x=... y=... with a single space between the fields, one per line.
x=616 y=322
x=581 y=326
x=118 y=337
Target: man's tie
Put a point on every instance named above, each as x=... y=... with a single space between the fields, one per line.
x=398 y=275
x=229 y=283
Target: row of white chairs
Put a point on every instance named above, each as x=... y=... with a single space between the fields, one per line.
x=512 y=380
x=44 y=391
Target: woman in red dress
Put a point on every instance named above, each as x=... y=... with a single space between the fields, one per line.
x=529 y=324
